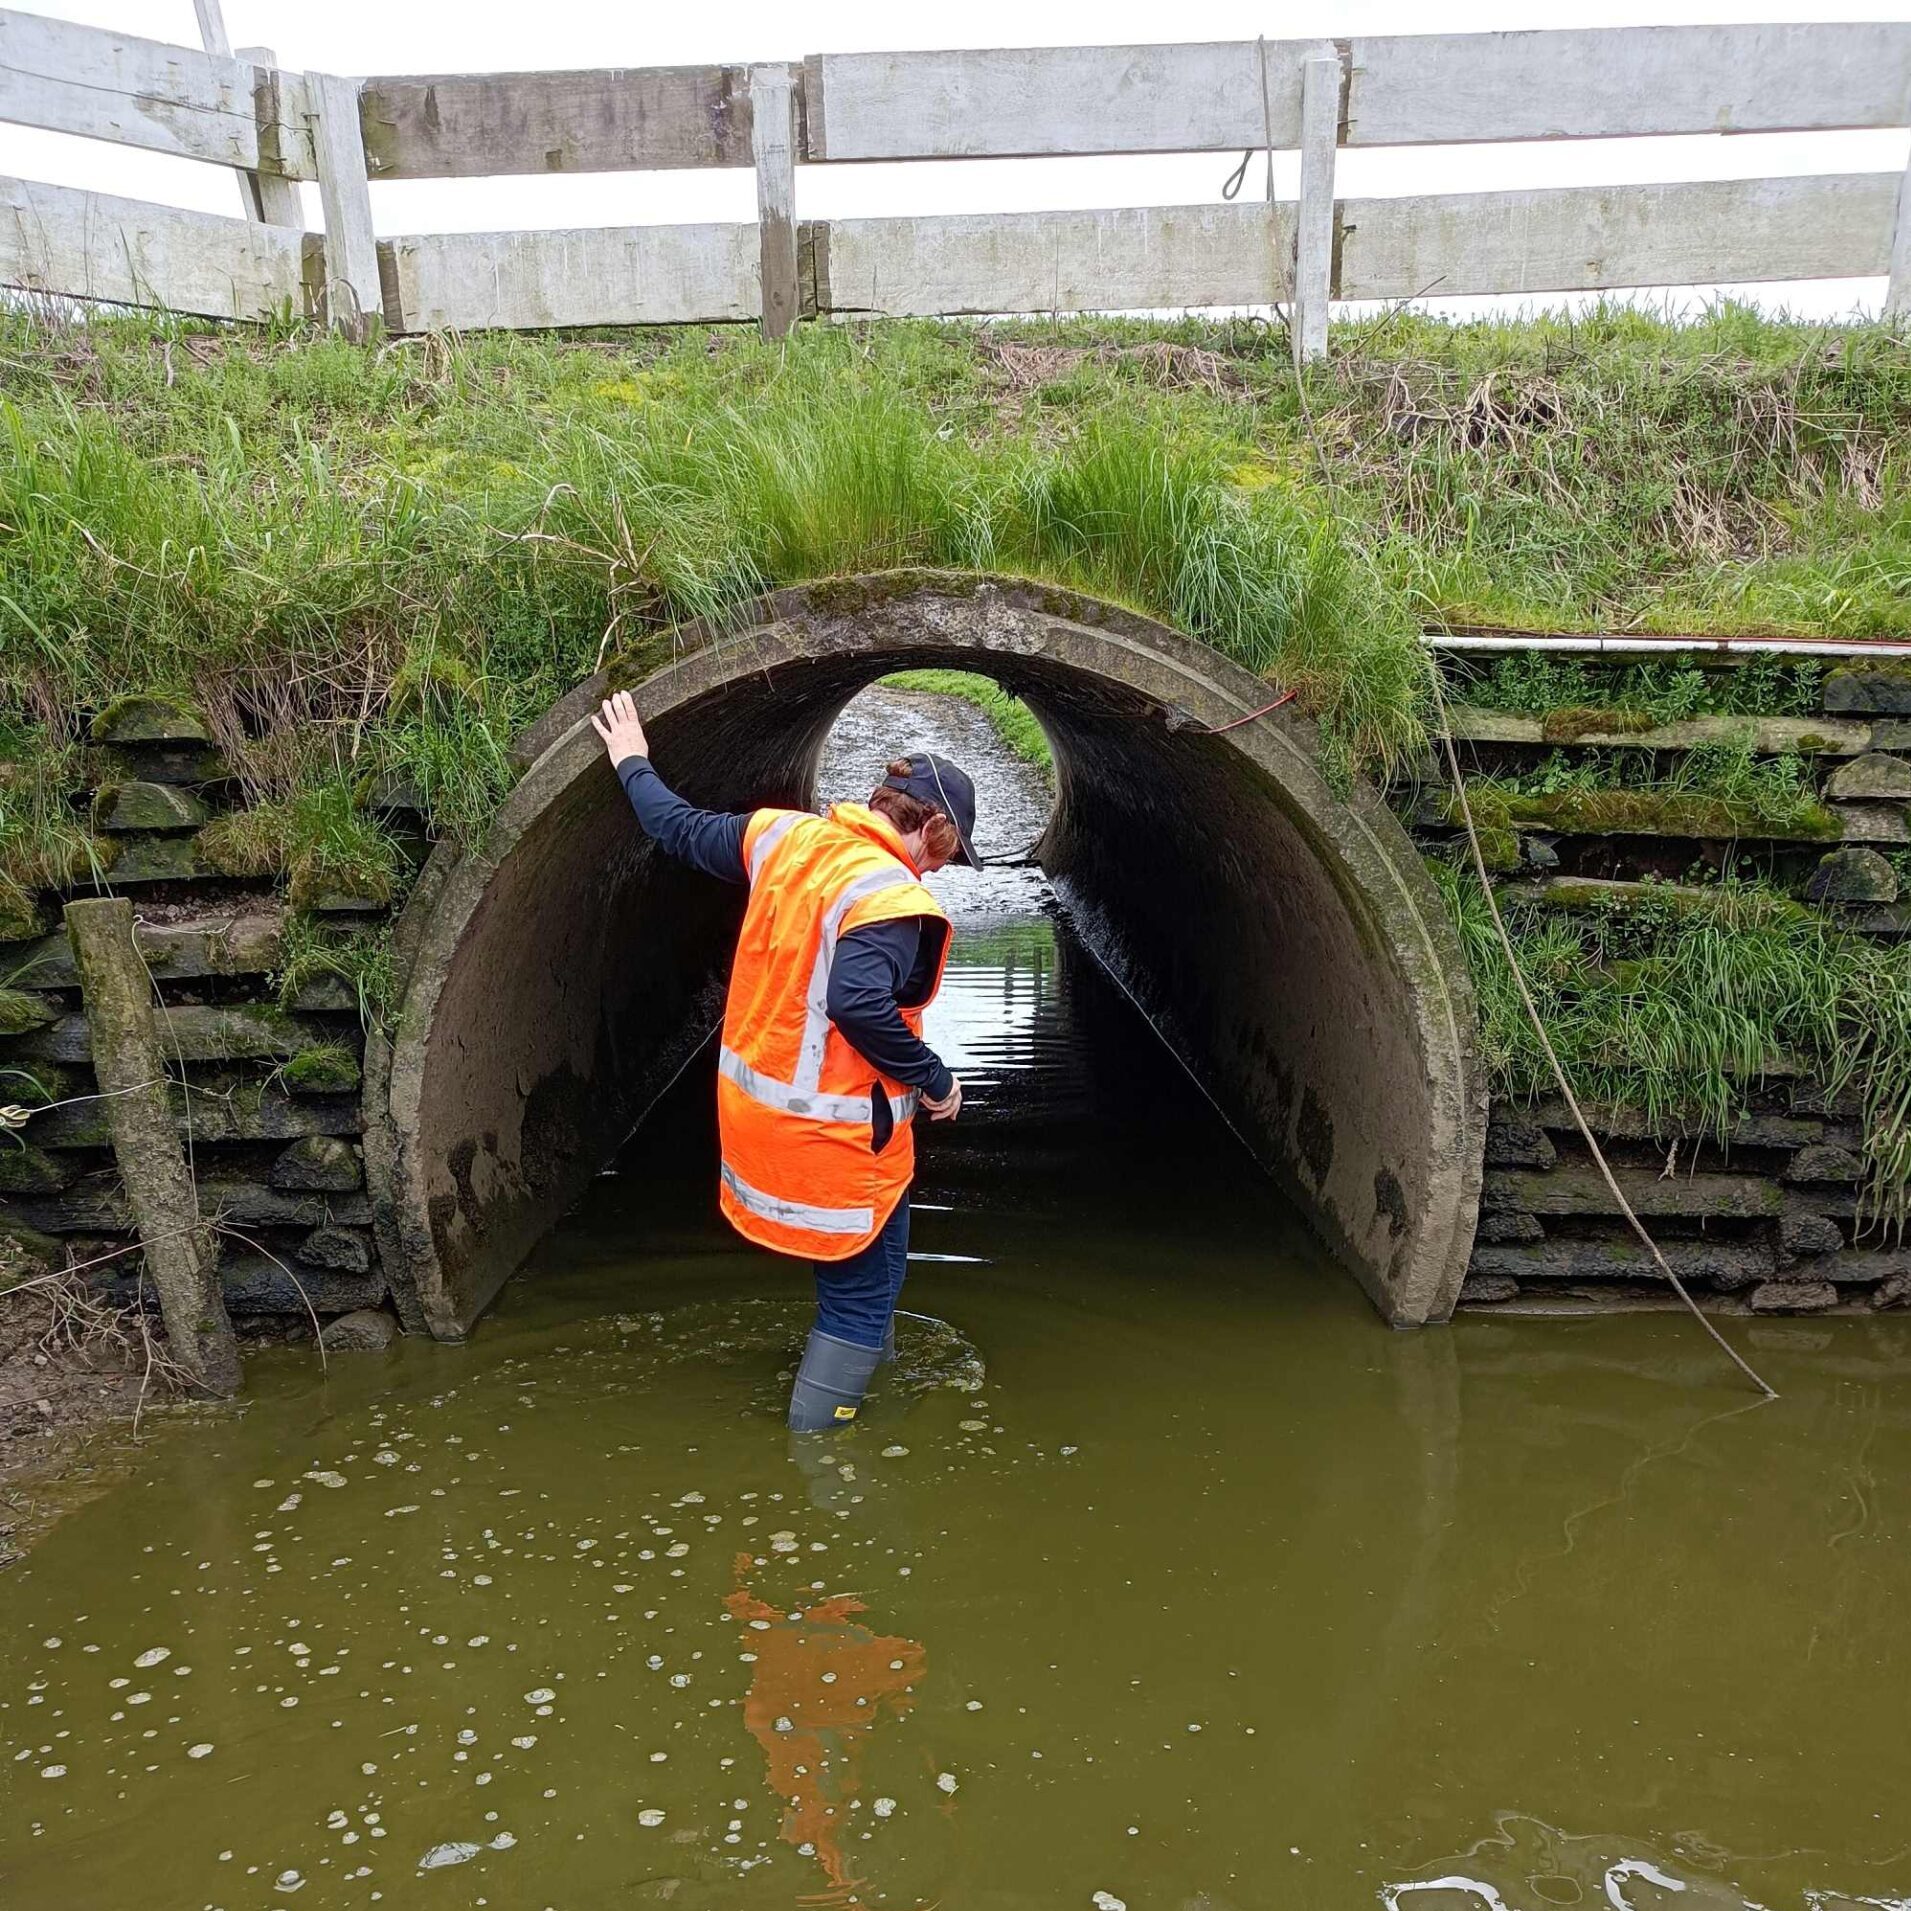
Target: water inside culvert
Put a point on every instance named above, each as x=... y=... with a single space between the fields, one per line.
x=1164 y=1575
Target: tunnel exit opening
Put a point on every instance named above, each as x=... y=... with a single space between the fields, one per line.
x=1284 y=940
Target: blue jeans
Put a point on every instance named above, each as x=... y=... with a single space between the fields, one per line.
x=855 y=1298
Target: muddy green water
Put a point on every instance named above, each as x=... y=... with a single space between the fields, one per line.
x=1167 y=1577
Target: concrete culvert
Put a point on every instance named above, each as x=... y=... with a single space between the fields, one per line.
x=1287 y=942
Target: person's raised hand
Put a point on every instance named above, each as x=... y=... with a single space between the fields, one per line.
x=620 y=727
x=949 y=1106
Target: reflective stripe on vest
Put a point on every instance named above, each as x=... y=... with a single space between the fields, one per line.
x=772 y=834
x=798 y=1214
x=809 y=1058
x=796 y=1101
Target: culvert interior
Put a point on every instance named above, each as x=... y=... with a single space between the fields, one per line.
x=1284 y=939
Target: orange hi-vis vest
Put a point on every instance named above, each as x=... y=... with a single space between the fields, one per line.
x=796 y=1104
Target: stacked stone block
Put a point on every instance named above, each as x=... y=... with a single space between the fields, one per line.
x=267 y=1095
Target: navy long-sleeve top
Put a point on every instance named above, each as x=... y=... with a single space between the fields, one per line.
x=880 y=968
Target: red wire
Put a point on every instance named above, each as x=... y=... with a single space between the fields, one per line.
x=1216 y=729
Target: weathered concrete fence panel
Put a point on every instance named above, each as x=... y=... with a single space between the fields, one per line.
x=619 y=119
x=620 y=275
x=90 y=245
x=167 y=99
x=1314 y=95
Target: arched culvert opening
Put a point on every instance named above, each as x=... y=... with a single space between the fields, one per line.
x=1286 y=941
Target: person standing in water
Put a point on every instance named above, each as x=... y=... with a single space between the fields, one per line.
x=822 y=1064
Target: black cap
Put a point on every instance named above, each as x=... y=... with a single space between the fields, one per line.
x=936 y=781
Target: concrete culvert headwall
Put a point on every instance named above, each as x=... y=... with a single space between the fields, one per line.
x=1287 y=942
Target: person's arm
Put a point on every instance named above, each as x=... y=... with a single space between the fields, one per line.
x=707 y=840
x=866 y=981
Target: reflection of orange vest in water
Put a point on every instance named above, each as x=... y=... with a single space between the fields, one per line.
x=822 y=1684
x=797 y=1106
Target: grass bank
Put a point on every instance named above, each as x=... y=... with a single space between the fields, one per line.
x=366 y=560
x=395 y=558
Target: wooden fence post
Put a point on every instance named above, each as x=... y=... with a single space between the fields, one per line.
x=773 y=141
x=272 y=199
x=1897 y=297
x=353 y=302
x=267 y=197
x=182 y=1254
x=212 y=27
x=1314 y=216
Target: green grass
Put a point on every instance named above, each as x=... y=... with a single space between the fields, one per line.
x=1652 y=691
x=1683 y=1007
x=1013 y=720
x=1737 y=474
x=43 y=842
x=363 y=560
x=20 y=1011
x=357 y=561
x=359 y=958
x=317 y=838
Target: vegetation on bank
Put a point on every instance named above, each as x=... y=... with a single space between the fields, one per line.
x=1642 y=695
x=405 y=553
x=1014 y=722
x=356 y=561
x=1717 y=791
x=381 y=564
x=1682 y=1003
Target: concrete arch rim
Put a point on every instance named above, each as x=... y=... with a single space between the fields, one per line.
x=985 y=615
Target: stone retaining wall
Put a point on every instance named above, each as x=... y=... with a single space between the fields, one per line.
x=1770 y=1223
x=267 y=1092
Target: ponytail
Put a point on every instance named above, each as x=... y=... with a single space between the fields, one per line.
x=939 y=838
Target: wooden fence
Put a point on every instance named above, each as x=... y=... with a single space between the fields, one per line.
x=274 y=128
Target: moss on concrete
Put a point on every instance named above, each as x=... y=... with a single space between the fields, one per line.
x=149 y=718
x=20 y=915
x=1620 y=812
x=138 y=805
x=25 y=1169
x=1569 y=724
x=21 y=1010
x=326 y=1069
x=1570 y=893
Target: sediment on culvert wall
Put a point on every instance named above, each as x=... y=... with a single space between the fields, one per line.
x=261 y=758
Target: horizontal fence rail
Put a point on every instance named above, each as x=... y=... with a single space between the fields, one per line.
x=168 y=99
x=1316 y=97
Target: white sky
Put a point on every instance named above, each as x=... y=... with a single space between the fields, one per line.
x=400 y=36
